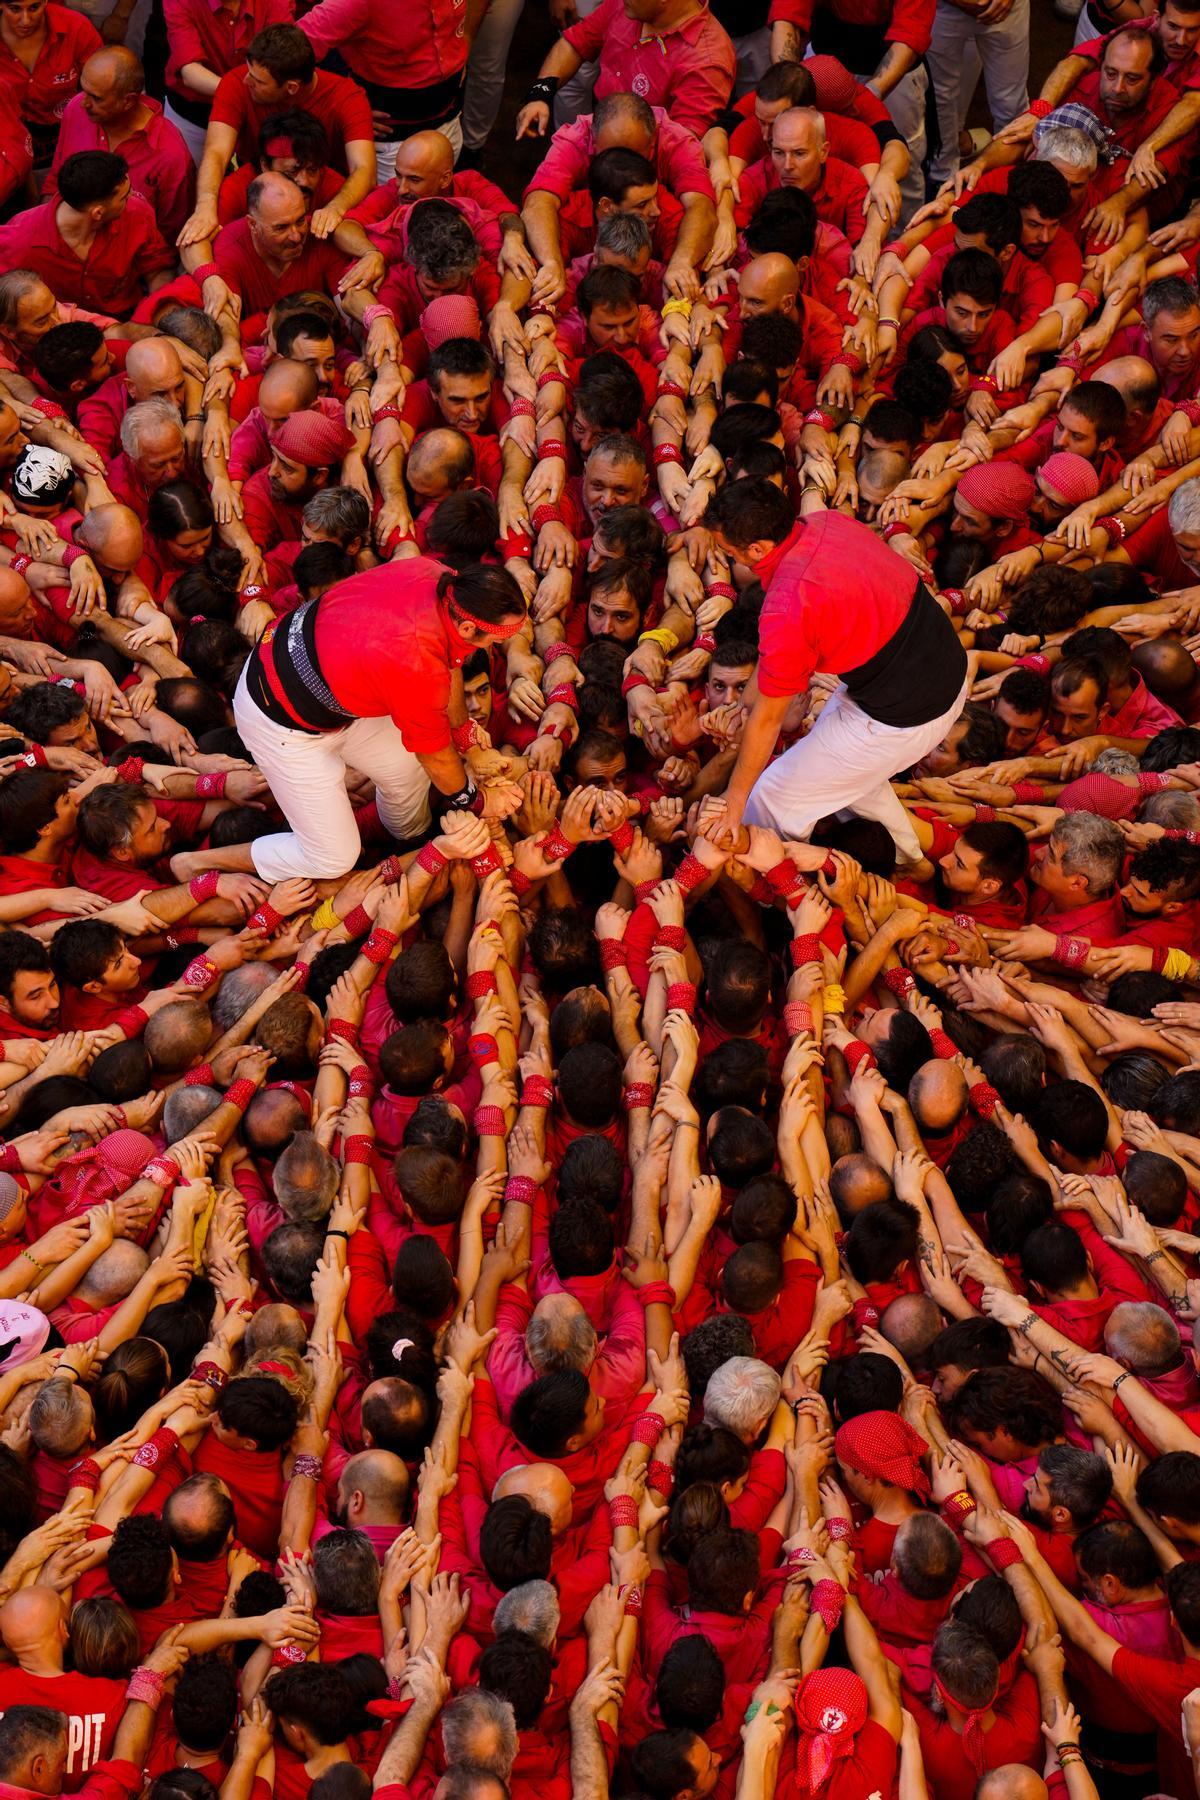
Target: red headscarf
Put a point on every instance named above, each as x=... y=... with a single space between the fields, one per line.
x=973 y=1741
x=831 y=1709
x=886 y=1448
x=98 y=1174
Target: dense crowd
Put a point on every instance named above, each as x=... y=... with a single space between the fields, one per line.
x=599 y=903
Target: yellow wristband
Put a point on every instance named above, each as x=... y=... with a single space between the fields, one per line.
x=682 y=307
x=834 y=998
x=662 y=634
x=324 y=919
x=1178 y=965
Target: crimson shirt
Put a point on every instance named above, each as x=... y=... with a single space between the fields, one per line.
x=40 y=94
x=93 y=1705
x=319 y=266
x=338 y=102
x=805 y=623
x=203 y=31
x=840 y=199
x=898 y=21
x=114 y=275
x=693 y=66
x=403 y=46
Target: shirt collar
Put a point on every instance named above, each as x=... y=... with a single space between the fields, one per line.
x=770 y=563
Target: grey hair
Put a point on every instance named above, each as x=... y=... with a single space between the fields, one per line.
x=532 y=1608
x=306 y=1179
x=186 y=1108
x=741 y=1395
x=1172 y=810
x=15 y=284
x=811 y=116
x=144 y=416
x=1144 y=1336
x=1171 y=294
x=239 y=990
x=1183 y=508
x=1116 y=762
x=192 y=326
x=60 y=1417
x=556 y=1339
x=617 y=107
x=471 y=1712
x=625 y=234
x=1090 y=846
x=1063 y=144
x=341 y=511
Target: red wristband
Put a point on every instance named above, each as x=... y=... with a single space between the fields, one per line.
x=379 y=946
x=204 y=887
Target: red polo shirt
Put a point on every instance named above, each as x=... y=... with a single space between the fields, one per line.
x=805 y=623
x=897 y=21
x=40 y=94
x=1027 y=291
x=403 y=46
x=319 y=266
x=161 y=170
x=203 y=31
x=93 y=1705
x=338 y=102
x=692 y=67
x=118 y=266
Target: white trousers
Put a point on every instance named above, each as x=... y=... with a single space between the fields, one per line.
x=192 y=135
x=960 y=49
x=846 y=761
x=306 y=773
x=486 y=70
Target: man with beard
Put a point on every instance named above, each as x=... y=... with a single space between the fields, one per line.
x=305 y=455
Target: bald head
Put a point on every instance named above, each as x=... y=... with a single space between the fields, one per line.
x=113 y=534
x=16 y=605
x=1012 y=1782
x=768 y=284
x=32 y=1621
x=911 y=1323
x=937 y=1094
x=1142 y=1336
x=440 y=462
x=271 y=195
x=113 y=71
x=546 y=1488
x=373 y=1489
x=856 y=1181
x=275 y=1327
x=272 y=1119
x=424 y=166
x=114 y=1274
x=1134 y=378
x=152 y=367
x=287 y=386
x=1166 y=668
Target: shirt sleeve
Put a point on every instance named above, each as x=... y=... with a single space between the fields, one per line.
x=332 y=22
x=229 y=103
x=151 y=253
x=703 y=90
x=564 y=166
x=681 y=160
x=912 y=24
x=354 y=113
x=186 y=43
x=587 y=37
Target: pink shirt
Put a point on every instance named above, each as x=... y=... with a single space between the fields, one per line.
x=404 y=45
x=620 y=1365
x=677 y=155
x=161 y=171
x=202 y=31
x=693 y=66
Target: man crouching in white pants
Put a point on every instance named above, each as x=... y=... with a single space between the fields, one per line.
x=837 y=599
x=369 y=677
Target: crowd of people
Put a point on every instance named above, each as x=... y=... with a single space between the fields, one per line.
x=599 y=903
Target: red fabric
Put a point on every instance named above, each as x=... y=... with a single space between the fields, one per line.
x=392 y=46
x=203 y=31
x=338 y=102
x=806 y=623
x=93 y=1706
x=319 y=266
x=885 y=1447
x=124 y=255
x=161 y=169
x=693 y=65
x=678 y=158
x=40 y=94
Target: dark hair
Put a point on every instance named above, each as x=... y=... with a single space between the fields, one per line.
x=519 y=1669
x=139 y=1561
x=975 y=274
x=1040 y=185
x=690 y=1685
x=589 y=1084
x=969 y=1344
x=581 y=1240
x=1156 y=1185
x=591 y=1170
x=1170 y=1486
x=747 y=512
x=606 y=284
x=551 y=1411
x=1080 y=1480
x=515 y=1543
x=712 y=1342
x=1072 y=1115
x=1009 y=1399
x=284 y=52
x=990 y=216
x=205 y=1703
x=722 y=1569
x=710 y=1453
x=259 y=1408
x=314 y=1695
x=864 y=1383
x=307 y=136
x=1118 y=1548
x=82 y=949
x=613 y=172
x=66 y=353
x=90 y=177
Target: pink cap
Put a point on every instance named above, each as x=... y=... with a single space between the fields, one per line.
x=835 y=85
x=1072 y=477
x=999 y=489
x=450 y=316
x=312 y=439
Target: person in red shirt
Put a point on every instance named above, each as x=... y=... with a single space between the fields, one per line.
x=666 y=49
x=804 y=623
x=404 y=724
x=799 y=158
x=306 y=452
x=43 y=48
x=281 y=73
x=621 y=121
x=112 y=112
x=98 y=244
x=206 y=42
